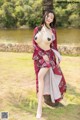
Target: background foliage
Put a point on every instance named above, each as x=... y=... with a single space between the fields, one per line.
x=16 y=13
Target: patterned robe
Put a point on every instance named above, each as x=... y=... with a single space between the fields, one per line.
x=54 y=81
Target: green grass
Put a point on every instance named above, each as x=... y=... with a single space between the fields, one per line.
x=18 y=93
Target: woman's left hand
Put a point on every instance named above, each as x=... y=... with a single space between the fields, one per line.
x=45 y=57
x=57 y=61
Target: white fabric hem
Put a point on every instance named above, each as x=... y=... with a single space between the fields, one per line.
x=57 y=54
x=51 y=85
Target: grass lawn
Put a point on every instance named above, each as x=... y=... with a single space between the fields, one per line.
x=18 y=93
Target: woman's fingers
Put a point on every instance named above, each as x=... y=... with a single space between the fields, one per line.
x=57 y=61
x=45 y=57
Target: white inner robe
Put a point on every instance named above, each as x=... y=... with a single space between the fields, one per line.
x=51 y=85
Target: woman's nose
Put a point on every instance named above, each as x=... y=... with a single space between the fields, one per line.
x=49 y=18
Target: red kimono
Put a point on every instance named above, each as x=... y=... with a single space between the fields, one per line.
x=55 y=84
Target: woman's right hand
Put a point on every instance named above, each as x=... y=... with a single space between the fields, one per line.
x=45 y=57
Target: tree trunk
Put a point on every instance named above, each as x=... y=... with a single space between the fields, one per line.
x=47 y=5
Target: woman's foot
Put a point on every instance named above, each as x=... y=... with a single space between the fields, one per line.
x=39 y=113
x=38 y=116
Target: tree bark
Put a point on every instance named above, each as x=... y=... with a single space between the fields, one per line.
x=47 y=5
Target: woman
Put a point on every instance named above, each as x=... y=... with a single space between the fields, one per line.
x=49 y=77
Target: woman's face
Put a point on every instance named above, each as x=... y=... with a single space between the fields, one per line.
x=49 y=18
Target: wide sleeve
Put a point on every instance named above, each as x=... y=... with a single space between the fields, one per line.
x=54 y=43
x=34 y=43
x=53 y=46
x=36 y=50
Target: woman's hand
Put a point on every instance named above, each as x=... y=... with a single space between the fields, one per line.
x=45 y=57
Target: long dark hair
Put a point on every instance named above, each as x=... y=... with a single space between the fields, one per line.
x=52 y=24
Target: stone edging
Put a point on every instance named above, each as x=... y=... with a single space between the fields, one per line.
x=23 y=47
x=69 y=50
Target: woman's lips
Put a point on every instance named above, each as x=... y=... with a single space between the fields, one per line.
x=48 y=21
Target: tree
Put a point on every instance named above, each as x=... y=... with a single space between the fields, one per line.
x=8 y=16
x=47 y=5
x=29 y=12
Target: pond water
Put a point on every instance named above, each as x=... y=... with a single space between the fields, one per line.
x=65 y=36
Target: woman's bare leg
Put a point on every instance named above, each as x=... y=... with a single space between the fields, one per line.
x=41 y=75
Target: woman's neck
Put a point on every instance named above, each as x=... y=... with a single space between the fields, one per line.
x=48 y=26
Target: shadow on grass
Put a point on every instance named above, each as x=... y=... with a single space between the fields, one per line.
x=72 y=96
x=29 y=104
x=69 y=112
x=72 y=90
